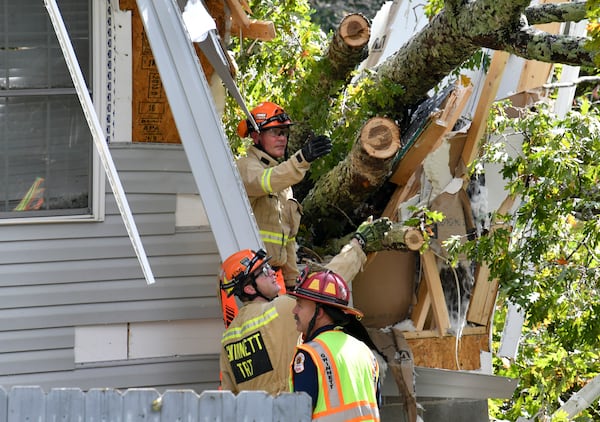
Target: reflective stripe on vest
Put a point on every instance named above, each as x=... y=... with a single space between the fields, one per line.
x=332 y=406
x=235 y=333
x=275 y=238
x=265 y=181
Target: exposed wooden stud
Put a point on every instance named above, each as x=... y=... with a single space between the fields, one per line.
x=485 y=291
x=487 y=98
x=423 y=334
x=422 y=308
x=238 y=14
x=436 y=293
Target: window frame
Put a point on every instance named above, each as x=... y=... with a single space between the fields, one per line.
x=99 y=52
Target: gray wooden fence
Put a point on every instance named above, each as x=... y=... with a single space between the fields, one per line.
x=32 y=404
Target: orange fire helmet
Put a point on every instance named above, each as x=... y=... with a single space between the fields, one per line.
x=325 y=287
x=266 y=115
x=239 y=268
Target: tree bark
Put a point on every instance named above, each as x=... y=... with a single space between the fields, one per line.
x=455 y=33
x=348 y=47
x=450 y=38
x=363 y=171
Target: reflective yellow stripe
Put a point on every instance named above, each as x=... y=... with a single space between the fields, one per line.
x=276 y=238
x=234 y=333
x=265 y=181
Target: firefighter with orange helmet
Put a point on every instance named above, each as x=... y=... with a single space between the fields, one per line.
x=268 y=177
x=259 y=343
x=334 y=364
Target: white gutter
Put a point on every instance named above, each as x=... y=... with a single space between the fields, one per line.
x=200 y=128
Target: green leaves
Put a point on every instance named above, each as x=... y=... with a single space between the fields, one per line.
x=547 y=257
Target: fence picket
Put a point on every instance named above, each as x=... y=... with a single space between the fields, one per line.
x=26 y=404
x=65 y=405
x=3 y=405
x=180 y=406
x=217 y=406
x=141 y=405
x=292 y=407
x=31 y=404
x=254 y=406
x=103 y=405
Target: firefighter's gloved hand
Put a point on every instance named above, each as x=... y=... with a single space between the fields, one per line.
x=370 y=234
x=315 y=147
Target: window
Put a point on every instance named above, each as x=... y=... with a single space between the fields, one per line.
x=46 y=149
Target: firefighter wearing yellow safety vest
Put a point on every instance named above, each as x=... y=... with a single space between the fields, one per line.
x=334 y=364
x=268 y=181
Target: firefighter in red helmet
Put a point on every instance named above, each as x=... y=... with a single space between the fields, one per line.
x=334 y=364
x=264 y=328
x=268 y=177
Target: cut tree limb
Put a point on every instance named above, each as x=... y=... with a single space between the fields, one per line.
x=348 y=45
x=362 y=172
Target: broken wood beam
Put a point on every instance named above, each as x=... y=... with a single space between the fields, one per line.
x=483 y=296
x=256 y=30
x=431 y=135
x=434 y=287
x=487 y=98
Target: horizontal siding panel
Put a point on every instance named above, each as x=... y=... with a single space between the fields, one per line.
x=109 y=313
x=103 y=292
x=106 y=270
x=36 y=361
x=148 y=183
x=143 y=204
x=50 y=338
x=143 y=157
x=147 y=224
x=201 y=374
x=185 y=243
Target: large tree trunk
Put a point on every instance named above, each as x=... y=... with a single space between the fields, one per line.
x=427 y=58
x=363 y=171
x=462 y=28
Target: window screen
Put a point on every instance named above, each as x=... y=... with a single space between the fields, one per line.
x=45 y=142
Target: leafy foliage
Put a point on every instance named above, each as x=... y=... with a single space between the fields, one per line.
x=270 y=70
x=593 y=28
x=547 y=257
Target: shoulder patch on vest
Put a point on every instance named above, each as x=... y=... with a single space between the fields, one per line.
x=299 y=362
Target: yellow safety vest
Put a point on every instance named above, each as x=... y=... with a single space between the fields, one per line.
x=348 y=373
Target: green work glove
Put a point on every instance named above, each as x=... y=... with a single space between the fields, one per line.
x=370 y=233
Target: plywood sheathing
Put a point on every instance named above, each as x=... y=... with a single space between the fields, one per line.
x=441 y=352
x=152 y=119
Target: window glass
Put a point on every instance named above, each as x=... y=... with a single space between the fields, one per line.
x=45 y=142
